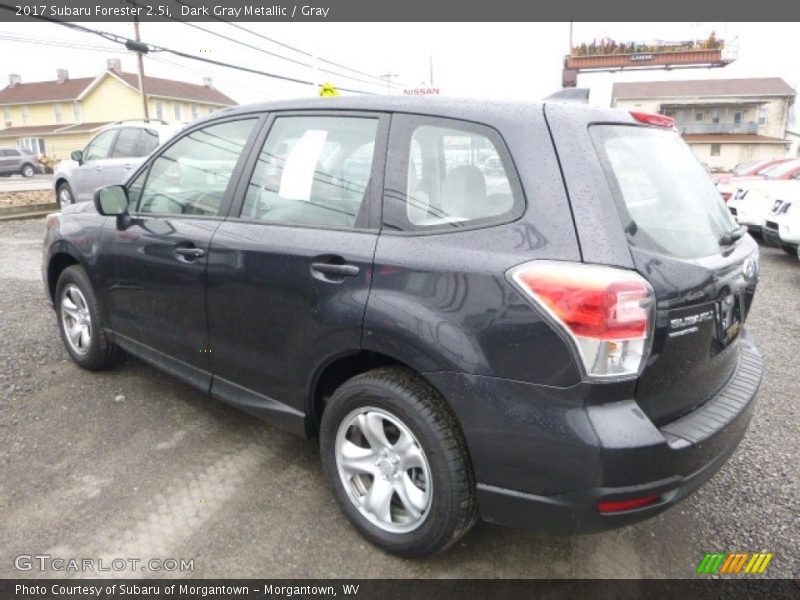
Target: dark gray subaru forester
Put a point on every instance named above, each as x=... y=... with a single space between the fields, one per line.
x=532 y=313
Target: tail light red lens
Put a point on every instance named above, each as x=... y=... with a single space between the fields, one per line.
x=651 y=119
x=608 y=312
x=622 y=505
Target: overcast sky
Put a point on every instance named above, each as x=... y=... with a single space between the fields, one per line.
x=493 y=60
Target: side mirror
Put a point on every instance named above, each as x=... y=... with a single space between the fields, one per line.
x=111 y=201
x=77 y=156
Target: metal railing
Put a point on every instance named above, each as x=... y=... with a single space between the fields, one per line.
x=749 y=128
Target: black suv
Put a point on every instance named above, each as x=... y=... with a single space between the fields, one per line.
x=531 y=313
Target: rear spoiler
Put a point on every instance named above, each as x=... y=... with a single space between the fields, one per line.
x=580 y=95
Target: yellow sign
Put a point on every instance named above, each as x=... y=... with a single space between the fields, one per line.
x=327 y=89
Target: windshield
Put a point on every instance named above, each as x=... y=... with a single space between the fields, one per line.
x=781 y=169
x=665 y=199
x=743 y=168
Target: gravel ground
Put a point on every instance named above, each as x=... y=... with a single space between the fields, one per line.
x=132 y=463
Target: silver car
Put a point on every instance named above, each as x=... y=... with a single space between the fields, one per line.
x=15 y=160
x=108 y=158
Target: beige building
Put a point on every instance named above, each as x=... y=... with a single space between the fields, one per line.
x=725 y=121
x=58 y=116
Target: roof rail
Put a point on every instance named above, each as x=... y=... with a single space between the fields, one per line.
x=161 y=121
x=580 y=95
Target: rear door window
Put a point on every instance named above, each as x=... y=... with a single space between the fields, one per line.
x=313 y=172
x=133 y=142
x=452 y=175
x=664 y=197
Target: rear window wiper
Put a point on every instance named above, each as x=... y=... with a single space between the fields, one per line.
x=730 y=237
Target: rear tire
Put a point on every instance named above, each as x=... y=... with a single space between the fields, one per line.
x=791 y=250
x=81 y=322
x=414 y=493
x=28 y=170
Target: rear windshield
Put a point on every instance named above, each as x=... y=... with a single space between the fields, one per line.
x=665 y=199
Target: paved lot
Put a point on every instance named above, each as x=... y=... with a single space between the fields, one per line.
x=18 y=183
x=167 y=472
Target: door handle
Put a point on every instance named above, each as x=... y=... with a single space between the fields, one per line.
x=189 y=254
x=127 y=167
x=98 y=169
x=335 y=270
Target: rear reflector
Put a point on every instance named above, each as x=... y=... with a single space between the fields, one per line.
x=607 y=312
x=651 y=119
x=622 y=505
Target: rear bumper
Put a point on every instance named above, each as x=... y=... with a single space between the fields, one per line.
x=608 y=452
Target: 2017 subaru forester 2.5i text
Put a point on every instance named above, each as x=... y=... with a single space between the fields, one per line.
x=528 y=313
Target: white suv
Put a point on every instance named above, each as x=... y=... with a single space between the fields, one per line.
x=108 y=159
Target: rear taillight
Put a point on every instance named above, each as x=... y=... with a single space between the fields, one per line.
x=651 y=119
x=607 y=312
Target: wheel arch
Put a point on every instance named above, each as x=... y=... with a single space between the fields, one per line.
x=61 y=258
x=60 y=179
x=337 y=369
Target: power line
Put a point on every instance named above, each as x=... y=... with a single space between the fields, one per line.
x=230 y=39
x=303 y=52
x=245 y=44
x=39 y=41
x=153 y=48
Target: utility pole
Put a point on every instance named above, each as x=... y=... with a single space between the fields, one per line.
x=388 y=77
x=140 y=61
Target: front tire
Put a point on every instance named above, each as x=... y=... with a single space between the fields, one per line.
x=81 y=323
x=28 y=170
x=398 y=463
x=64 y=195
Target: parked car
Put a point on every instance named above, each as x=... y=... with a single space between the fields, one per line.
x=782 y=225
x=752 y=203
x=565 y=350
x=108 y=158
x=753 y=171
x=15 y=160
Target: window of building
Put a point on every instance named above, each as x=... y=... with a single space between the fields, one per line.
x=762 y=116
x=77 y=112
x=6 y=114
x=210 y=109
x=698 y=117
x=715 y=149
x=32 y=145
x=195 y=112
x=177 y=111
x=58 y=110
x=26 y=115
x=737 y=118
x=159 y=110
x=715 y=115
x=313 y=172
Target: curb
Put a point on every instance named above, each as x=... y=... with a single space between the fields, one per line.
x=27 y=211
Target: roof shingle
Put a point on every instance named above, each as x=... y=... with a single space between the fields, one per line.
x=762 y=86
x=71 y=89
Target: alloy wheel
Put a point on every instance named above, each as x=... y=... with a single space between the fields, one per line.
x=384 y=470
x=64 y=196
x=76 y=320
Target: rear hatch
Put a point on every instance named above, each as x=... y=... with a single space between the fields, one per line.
x=683 y=240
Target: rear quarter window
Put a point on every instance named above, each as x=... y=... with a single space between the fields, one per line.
x=665 y=199
x=448 y=175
